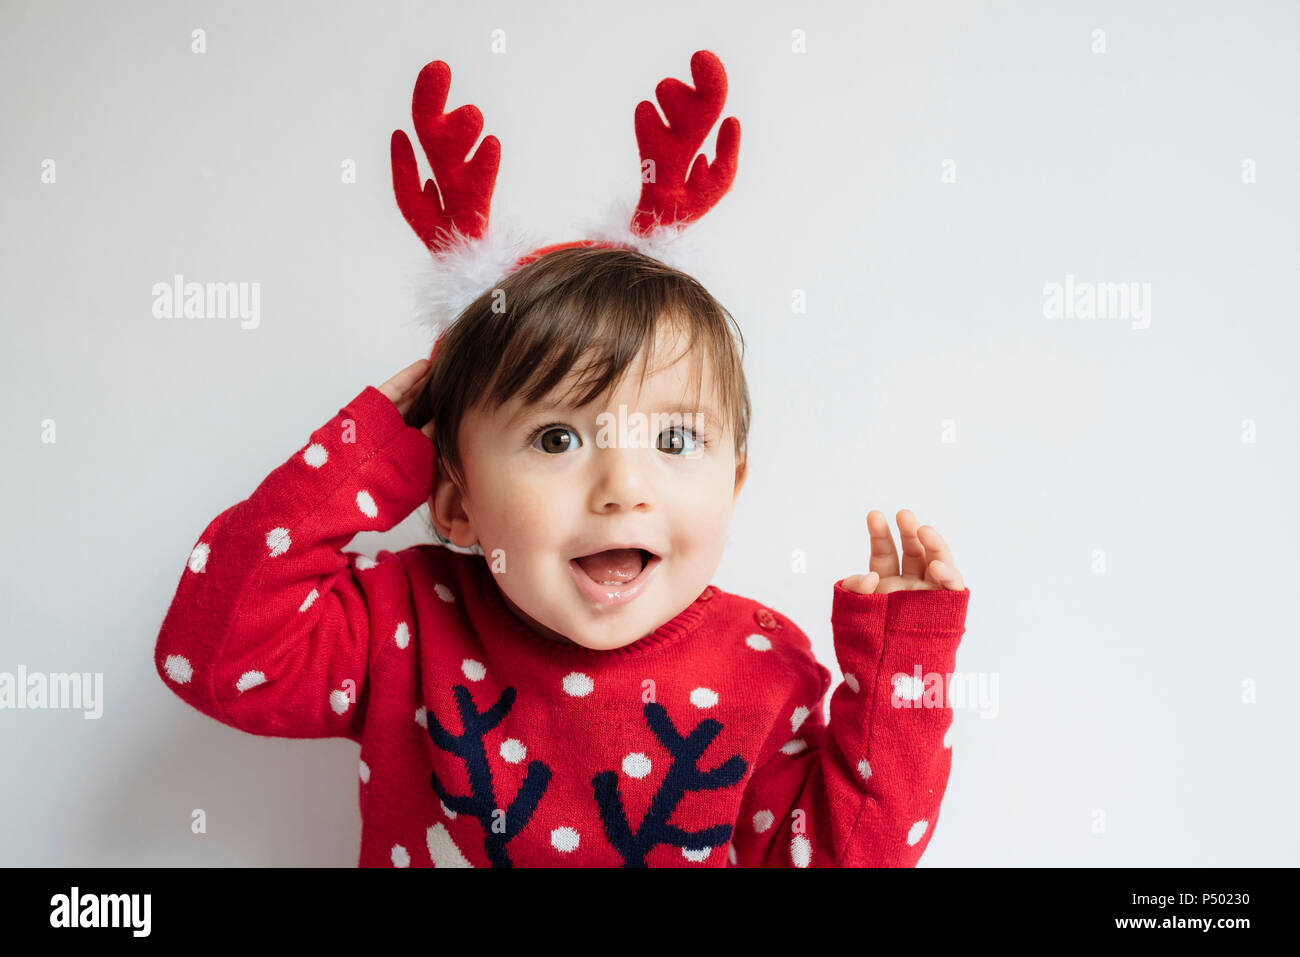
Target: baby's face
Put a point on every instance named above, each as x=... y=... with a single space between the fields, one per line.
x=547 y=484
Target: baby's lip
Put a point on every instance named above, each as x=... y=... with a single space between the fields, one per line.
x=613 y=595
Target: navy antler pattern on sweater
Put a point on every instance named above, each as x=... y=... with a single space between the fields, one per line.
x=683 y=775
x=481 y=803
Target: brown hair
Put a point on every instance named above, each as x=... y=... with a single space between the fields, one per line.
x=609 y=302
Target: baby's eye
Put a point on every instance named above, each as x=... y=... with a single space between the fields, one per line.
x=677 y=441
x=555 y=439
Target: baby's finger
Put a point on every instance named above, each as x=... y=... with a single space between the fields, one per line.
x=400 y=385
x=862 y=584
x=935 y=547
x=944 y=575
x=884 y=557
x=913 y=550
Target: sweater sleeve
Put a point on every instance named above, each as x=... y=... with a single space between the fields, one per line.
x=864 y=789
x=273 y=628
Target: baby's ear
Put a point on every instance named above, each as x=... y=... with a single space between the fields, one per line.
x=447 y=511
x=742 y=472
x=438 y=537
x=441 y=530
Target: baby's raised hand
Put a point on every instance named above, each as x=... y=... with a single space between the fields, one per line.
x=927 y=562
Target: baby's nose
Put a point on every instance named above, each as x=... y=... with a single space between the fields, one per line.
x=622 y=480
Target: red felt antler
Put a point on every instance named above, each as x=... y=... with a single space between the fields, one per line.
x=671 y=197
x=465 y=186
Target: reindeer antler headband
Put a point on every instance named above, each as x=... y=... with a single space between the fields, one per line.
x=451 y=218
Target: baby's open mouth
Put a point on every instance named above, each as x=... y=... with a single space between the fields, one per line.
x=613 y=577
x=615 y=566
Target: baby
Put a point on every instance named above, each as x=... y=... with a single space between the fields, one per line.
x=574 y=691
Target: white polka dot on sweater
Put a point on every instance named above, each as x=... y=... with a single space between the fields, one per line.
x=696 y=855
x=731 y=853
x=311 y=597
x=763 y=820
x=364 y=770
x=442 y=849
x=315 y=455
x=250 y=679
x=864 y=769
x=564 y=839
x=794 y=746
x=474 y=670
x=851 y=680
x=636 y=765
x=800 y=851
x=402 y=635
x=917 y=831
x=178 y=668
x=422 y=717
x=443 y=592
x=364 y=563
x=947 y=736
x=513 y=751
x=704 y=697
x=199 y=558
x=277 y=540
x=908 y=688
x=367 y=504
x=451 y=815
x=799 y=717
x=577 y=684
x=759 y=642
x=339 y=701
x=401 y=857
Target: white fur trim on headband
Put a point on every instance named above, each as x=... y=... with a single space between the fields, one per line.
x=671 y=245
x=454 y=276
x=460 y=272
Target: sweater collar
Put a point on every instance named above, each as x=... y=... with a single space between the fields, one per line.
x=506 y=621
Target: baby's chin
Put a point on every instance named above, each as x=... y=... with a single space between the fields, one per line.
x=607 y=637
x=607 y=642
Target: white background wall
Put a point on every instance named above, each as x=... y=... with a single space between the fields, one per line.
x=1118 y=692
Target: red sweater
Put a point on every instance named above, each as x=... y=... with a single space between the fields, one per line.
x=486 y=744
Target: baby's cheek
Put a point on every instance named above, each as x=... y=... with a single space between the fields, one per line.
x=523 y=516
x=702 y=535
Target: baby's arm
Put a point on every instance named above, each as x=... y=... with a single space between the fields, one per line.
x=863 y=791
x=273 y=628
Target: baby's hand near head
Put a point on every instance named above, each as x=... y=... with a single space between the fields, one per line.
x=927 y=562
x=403 y=388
